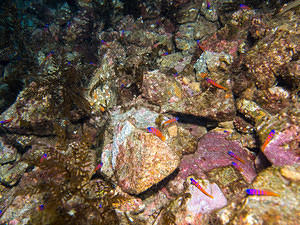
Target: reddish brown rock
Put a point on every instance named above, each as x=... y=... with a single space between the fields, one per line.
x=276 y=49
x=185 y=96
x=143 y=161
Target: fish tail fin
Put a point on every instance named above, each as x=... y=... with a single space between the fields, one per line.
x=270 y=193
x=242 y=161
x=210 y=196
x=203 y=75
x=163 y=138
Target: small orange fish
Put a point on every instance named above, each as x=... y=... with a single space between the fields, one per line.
x=242 y=6
x=200 y=46
x=41 y=207
x=260 y=192
x=269 y=138
x=235 y=156
x=200 y=188
x=156 y=132
x=48 y=56
x=208 y=4
x=237 y=166
x=102 y=109
x=43 y=157
x=215 y=84
x=98 y=167
x=203 y=75
x=104 y=43
x=6 y=121
x=170 y=121
x=95 y=96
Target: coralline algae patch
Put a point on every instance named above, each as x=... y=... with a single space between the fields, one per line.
x=212 y=152
x=199 y=203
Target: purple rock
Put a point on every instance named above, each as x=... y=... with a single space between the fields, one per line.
x=212 y=153
x=276 y=151
x=200 y=203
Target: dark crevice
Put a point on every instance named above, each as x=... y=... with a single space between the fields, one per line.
x=156 y=187
x=196 y=120
x=131 y=7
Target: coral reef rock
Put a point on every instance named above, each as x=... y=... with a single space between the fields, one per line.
x=270 y=209
x=212 y=153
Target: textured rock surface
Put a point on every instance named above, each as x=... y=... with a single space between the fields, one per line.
x=182 y=95
x=10 y=176
x=269 y=209
x=137 y=159
x=273 y=51
x=283 y=149
x=199 y=203
x=212 y=153
x=143 y=161
x=7 y=153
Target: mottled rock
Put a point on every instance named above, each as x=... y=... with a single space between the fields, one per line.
x=212 y=153
x=171 y=61
x=188 y=138
x=101 y=93
x=10 y=176
x=243 y=126
x=7 y=153
x=291 y=173
x=283 y=148
x=210 y=13
x=190 y=207
x=199 y=203
x=252 y=111
x=187 y=13
x=270 y=209
x=230 y=182
x=21 y=209
x=184 y=38
x=154 y=90
x=153 y=206
x=290 y=74
x=276 y=49
x=32 y=112
x=212 y=62
x=203 y=28
x=179 y=95
x=216 y=44
x=144 y=156
x=143 y=161
x=273 y=99
x=141 y=118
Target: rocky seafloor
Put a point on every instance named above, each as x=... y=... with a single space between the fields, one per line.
x=82 y=82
